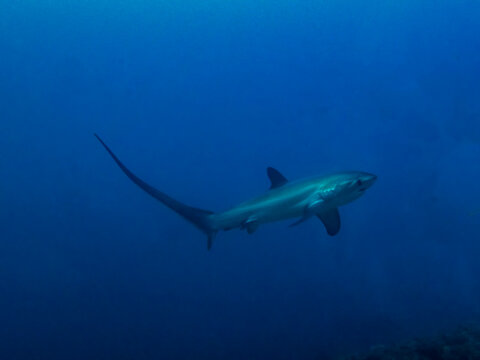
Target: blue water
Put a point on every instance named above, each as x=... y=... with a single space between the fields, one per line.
x=198 y=98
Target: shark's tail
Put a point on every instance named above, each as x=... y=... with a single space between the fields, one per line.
x=198 y=217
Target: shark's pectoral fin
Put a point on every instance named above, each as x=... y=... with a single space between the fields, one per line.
x=331 y=220
x=276 y=178
x=251 y=225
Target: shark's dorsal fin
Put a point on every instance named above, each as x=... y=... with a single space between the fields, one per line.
x=276 y=178
x=331 y=220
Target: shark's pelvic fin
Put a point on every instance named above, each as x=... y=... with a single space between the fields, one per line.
x=251 y=225
x=331 y=220
x=198 y=217
x=309 y=211
x=276 y=178
x=301 y=220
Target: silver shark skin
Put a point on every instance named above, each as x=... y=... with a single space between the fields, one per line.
x=303 y=199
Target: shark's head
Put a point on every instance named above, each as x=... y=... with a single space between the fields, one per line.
x=362 y=181
x=348 y=186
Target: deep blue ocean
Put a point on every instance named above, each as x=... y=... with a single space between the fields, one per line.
x=199 y=98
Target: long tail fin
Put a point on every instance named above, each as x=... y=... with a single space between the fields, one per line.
x=198 y=217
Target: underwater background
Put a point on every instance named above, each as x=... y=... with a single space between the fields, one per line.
x=198 y=98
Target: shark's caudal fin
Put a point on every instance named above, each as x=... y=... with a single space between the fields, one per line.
x=198 y=217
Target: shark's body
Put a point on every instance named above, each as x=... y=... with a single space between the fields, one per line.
x=318 y=196
x=296 y=199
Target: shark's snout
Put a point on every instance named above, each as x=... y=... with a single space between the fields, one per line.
x=366 y=180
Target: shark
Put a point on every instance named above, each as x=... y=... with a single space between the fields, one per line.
x=315 y=197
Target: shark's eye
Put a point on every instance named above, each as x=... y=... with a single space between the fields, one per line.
x=359 y=182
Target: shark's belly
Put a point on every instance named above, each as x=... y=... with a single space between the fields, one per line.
x=260 y=213
x=280 y=213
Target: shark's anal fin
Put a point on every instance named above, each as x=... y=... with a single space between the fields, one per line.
x=276 y=178
x=210 y=238
x=331 y=220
